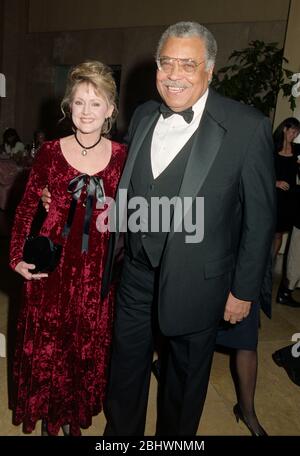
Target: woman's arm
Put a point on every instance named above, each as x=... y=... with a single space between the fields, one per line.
x=27 y=208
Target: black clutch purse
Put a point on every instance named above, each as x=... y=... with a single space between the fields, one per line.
x=42 y=252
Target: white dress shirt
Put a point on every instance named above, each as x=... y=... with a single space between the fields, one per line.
x=171 y=134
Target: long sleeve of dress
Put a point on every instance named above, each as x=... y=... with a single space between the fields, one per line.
x=27 y=208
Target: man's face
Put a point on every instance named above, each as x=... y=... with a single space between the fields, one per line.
x=179 y=89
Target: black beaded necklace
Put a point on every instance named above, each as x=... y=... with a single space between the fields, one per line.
x=85 y=149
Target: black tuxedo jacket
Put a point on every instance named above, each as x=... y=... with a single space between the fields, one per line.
x=231 y=166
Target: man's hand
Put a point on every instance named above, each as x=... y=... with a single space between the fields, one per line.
x=46 y=198
x=236 y=309
x=283 y=185
x=24 y=269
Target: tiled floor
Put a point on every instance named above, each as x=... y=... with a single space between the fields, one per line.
x=277 y=398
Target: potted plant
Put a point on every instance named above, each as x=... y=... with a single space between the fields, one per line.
x=256 y=76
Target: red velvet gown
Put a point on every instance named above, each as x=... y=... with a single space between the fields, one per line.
x=64 y=330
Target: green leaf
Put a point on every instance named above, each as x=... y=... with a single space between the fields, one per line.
x=256 y=76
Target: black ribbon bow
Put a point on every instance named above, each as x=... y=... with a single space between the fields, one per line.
x=187 y=114
x=95 y=188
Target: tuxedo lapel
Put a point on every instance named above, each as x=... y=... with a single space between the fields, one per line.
x=142 y=130
x=205 y=148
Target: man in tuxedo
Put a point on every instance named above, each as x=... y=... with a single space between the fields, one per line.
x=196 y=144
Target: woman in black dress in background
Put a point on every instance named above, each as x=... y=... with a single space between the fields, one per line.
x=286 y=169
x=287 y=166
x=242 y=339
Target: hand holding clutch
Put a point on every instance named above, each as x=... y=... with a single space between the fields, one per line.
x=42 y=252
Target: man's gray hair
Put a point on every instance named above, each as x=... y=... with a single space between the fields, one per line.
x=188 y=30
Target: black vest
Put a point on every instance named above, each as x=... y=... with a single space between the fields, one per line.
x=142 y=184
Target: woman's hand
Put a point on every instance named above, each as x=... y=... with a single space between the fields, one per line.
x=24 y=269
x=282 y=185
x=236 y=309
x=46 y=198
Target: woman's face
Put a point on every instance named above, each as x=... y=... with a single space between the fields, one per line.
x=89 y=109
x=291 y=133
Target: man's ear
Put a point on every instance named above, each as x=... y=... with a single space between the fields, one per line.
x=210 y=73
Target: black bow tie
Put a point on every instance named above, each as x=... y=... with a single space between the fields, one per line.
x=187 y=114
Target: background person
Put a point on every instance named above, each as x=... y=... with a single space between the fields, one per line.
x=39 y=137
x=12 y=144
x=286 y=169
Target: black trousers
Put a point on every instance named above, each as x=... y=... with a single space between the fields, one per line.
x=185 y=380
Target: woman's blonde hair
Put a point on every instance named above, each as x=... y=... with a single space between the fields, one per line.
x=100 y=76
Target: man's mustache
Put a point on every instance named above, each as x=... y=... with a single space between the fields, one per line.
x=177 y=84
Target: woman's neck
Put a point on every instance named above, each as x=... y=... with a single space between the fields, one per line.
x=88 y=139
x=286 y=149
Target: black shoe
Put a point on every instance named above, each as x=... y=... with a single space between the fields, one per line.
x=277 y=358
x=240 y=416
x=66 y=430
x=291 y=302
x=44 y=428
x=284 y=297
x=284 y=358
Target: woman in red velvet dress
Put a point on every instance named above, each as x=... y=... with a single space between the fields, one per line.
x=64 y=331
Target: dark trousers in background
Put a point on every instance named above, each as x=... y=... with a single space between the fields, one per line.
x=185 y=376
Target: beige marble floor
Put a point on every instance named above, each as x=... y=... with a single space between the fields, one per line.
x=277 y=398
